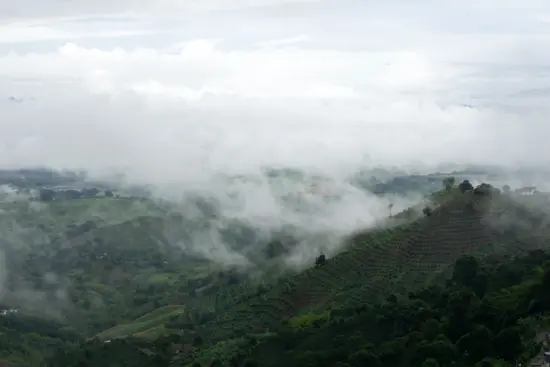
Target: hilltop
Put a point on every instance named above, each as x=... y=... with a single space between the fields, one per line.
x=114 y=270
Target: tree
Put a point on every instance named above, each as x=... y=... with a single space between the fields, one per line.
x=465 y=271
x=430 y=329
x=427 y=211
x=448 y=183
x=430 y=362
x=440 y=350
x=364 y=358
x=476 y=344
x=465 y=186
x=197 y=341
x=508 y=344
x=486 y=190
x=320 y=260
x=392 y=298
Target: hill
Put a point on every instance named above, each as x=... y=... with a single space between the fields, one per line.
x=387 y=263
x=479 y=317
x=487 y=314
x=100 y=269
x=397 y=260
x=121 y=273
x=26 y=340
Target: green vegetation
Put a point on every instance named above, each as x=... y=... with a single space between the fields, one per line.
x=487 y=313
x=101 y=280
x=147 y=326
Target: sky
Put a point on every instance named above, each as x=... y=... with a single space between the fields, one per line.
x=176 y=88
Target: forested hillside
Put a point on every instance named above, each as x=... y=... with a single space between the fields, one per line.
x=486 y=314
x=97 y=277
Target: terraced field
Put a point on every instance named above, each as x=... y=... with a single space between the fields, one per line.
x=395 y=260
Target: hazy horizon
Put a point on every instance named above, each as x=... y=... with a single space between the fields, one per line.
x=219 y=86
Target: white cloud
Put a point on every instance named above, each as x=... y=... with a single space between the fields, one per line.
x=285 y=41
x=34 y=8
x=175 y=92
x=393 y=82
x=25 y=32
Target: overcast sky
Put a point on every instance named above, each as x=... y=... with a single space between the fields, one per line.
x=232 y=84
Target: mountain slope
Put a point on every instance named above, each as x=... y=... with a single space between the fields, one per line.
x=131 y=276
x=396 y=260
x=487 y=314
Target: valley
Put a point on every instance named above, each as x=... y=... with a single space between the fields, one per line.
x=105 y=277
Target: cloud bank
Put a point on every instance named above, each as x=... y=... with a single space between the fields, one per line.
x=171 y=90
x=177 y=93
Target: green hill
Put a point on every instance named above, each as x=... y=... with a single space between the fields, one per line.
x=119 y=278
x=487 y=314
x=396 y=260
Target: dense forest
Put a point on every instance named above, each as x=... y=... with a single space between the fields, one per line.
x=487 y=314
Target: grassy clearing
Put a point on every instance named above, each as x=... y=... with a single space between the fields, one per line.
x=147 y=325
x=163 y=278
x=163 y=312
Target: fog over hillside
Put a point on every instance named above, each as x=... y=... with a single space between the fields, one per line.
x=274 y=182
x=265 y=112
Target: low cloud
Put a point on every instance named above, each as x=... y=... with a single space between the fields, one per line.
x=174 y=115
x=188 y=104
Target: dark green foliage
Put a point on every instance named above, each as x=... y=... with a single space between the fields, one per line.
x=364 y=358
x=465 y=271
x=430 y=362
x=387 y=301
x=29 y=339
x=250 y=363
x=427 y=211
x=116 y=353
x=197 y=341
x=465 y=186
x=508 y=343
x=486 y=190
x=320 y=260
x=436 y=326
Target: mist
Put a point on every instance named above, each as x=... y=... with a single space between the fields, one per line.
x=257 y=119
